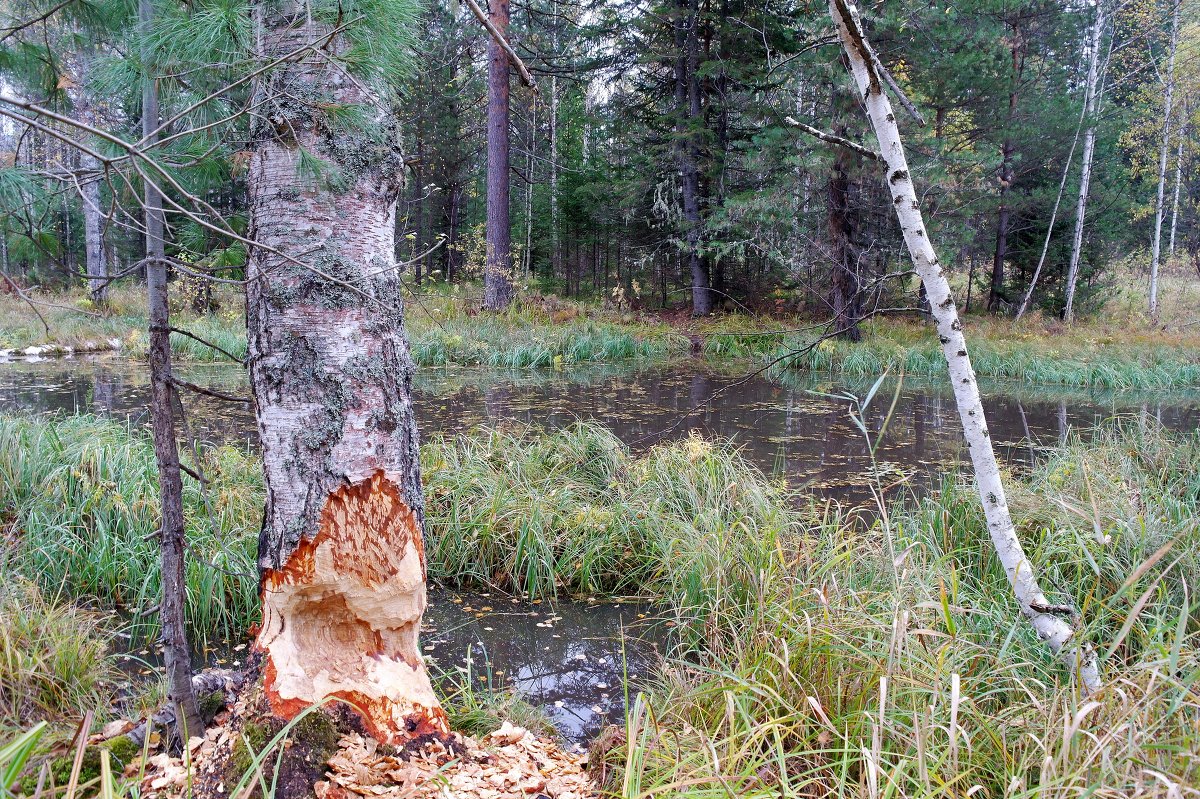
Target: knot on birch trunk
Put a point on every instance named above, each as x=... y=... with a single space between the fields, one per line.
x=342 y=614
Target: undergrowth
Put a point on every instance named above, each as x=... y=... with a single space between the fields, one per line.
x=891 y=660
x=54 y=656
x=826 y=652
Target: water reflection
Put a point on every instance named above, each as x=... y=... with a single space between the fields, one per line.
x=569 y=659
x=784 y=428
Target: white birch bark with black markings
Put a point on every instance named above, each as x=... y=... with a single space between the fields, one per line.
x=1051 y=621
x=340 y=554
x=1163 y=152
x=1089 y=150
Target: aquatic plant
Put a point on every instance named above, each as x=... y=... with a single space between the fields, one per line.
x=870 y=673
x=525 y=511
x=83 y=495
x=54 y=656
x=573 y=511
x=1083 y=358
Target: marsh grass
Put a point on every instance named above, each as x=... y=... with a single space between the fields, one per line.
x=444 y=328
x=1037 y=351
x=520 y=510
x=54 y=656
x=872 y=675
x=572 y=511
x=83 y=496
x=479 y=709
x=825 y=652
x=1116 y=349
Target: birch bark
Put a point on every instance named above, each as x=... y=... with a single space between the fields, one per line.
x=95 y=264
x=340 y=554
x=1178 y=179
x=1163 y=151
x=1089 y=149
x=1052 y=627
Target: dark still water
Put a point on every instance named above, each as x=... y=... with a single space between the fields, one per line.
x=793 y=429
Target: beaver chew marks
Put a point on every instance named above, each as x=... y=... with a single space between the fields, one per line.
x=340 y=619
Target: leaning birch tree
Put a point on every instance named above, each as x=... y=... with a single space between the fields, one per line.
x=341 y=553
x=1050 y=621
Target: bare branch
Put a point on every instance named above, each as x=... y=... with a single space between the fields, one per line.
x=832 y=138
x=526 y=78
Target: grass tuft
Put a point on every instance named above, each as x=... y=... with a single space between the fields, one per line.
x=54 y=659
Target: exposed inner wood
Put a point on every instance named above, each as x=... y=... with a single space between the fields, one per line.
x=341 y=617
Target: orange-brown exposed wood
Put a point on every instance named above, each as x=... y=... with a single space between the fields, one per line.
x=341 y=617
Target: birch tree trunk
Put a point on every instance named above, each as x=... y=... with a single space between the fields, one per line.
x=1089 y=149
x=530 y=166
x=1178 y=179
x=1047 y=619
x=1163 y=150
x=95 y=264
x=177 y=656
x=93 y=232
x=498 y=268
x=340 y=554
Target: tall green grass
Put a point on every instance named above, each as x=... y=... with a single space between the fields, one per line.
x=53 y=655
x=573 y=511
x=83 y=496
x=892 y=661
x=826 y=652
x=533 y=513
x=1084 y=358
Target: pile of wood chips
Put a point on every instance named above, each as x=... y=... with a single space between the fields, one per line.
x=510 y=763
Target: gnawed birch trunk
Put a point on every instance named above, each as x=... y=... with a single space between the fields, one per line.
x=1051 y=626
x=1163 y=151
x=1089 y=149
x=340 y=553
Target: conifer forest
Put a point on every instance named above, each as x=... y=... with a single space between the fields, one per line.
x=499 y=399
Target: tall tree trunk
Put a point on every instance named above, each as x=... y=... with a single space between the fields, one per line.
x=498 y=270
x=177 y=656
x=530 y=166
x=1089 y=149
x=95 y=264
x=1050 y=624
x=1178 y=180
x=841 y=233
x=996 y=292
x=688 y=110
x=453 y=223
x=554 y=233
x=340 y=554
x=93 y=232
x=1163 y=150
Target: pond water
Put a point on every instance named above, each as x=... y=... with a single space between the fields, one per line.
x=570 y=659
x=793 y=429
